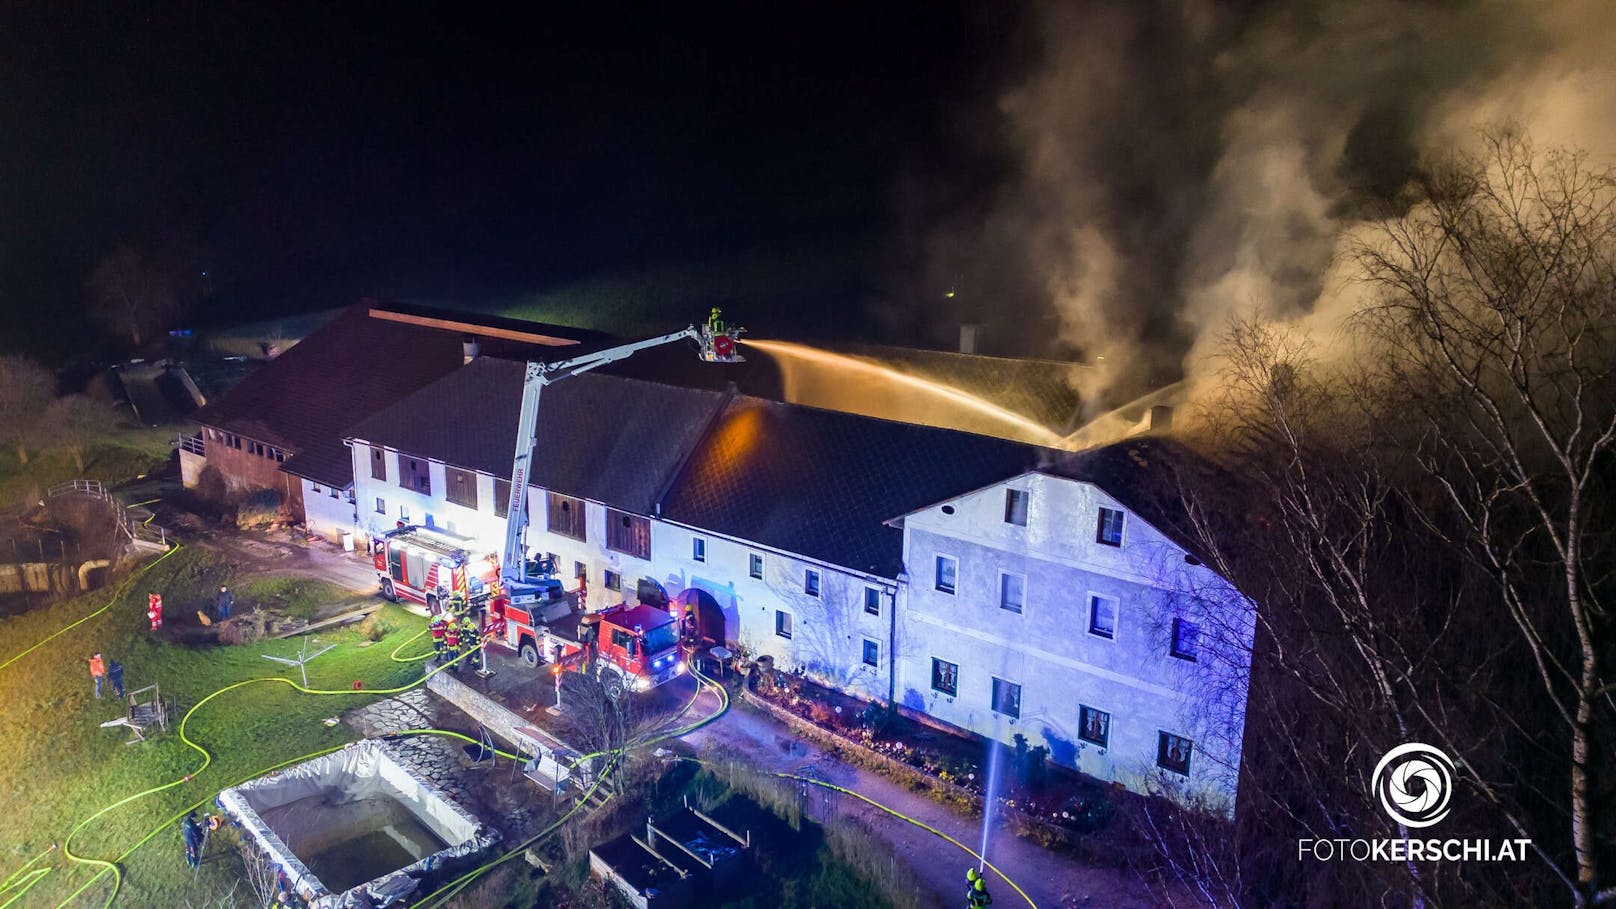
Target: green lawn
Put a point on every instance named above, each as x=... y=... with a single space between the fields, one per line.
x=122 y=455
x=60 y=768
x=300 y=598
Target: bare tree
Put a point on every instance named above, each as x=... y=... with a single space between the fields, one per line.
x=1498 y=298
x=260 y=872
x=26 y=389
x=72 y=422
x=133 y=295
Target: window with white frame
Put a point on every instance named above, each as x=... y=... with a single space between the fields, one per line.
x=1103 y=616
x=1093 y=725
x=1108 y=531
x=1015 y=507
x=947 y=573
x=944 y=677
x=872 y=600
x=613 y=580
x=698 y=549
x=754 y=566
x=1012 y=591
x=872 y=653
x=381 y=505
x=810 y=582
x=404 y=513
x=782 y=624
x=1173 y=752
x=1186 y=639
x=1006 y=698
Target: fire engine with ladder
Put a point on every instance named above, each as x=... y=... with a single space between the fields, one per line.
x=634 y=648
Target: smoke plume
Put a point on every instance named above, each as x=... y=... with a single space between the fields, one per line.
x=1173 y=164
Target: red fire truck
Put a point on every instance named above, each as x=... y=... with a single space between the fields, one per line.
x=637 y=647
x=430 y=566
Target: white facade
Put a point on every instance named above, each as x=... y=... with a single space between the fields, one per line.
x=1023 y=611
x=834 y=635
x=328 y=512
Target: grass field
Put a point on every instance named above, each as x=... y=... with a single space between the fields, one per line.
x=300 y=598
x=122 y=455
x=60 y=768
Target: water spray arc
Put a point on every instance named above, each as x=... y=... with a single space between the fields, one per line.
x=1006 y=422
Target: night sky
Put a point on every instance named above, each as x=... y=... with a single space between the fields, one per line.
x=310 y=155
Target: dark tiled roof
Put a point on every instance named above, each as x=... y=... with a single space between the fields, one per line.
x=609 y=439
x=1148 y=475
x=821 y=483
x=347 y=369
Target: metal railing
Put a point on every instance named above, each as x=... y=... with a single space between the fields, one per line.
x=193 y=444
x=85 y=487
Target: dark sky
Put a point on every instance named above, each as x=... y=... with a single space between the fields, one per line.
x=322 y=152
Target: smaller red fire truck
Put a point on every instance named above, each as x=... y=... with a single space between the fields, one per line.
x=637 y=647
x=431 y=566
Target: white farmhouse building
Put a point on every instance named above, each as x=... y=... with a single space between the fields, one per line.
x=994 y=586
x=1047 y=604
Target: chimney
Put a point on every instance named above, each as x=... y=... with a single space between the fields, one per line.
x=469 y=349
x=968 y=332
x=1160 y=419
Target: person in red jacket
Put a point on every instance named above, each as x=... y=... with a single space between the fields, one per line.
x=154 y=610
x=438 y=626
x=451 y=642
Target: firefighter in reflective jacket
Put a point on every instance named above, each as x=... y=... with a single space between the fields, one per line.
x=451 y=642
x=470 y=637
x=438 y=626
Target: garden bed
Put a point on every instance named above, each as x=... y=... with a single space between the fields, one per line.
x=1052 y=805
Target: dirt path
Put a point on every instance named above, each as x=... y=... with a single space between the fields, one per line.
x=1053 y=881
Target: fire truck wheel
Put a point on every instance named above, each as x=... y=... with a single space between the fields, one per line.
x=529 y=654
x=614 y=685
x=388 y=593
x=432 y=607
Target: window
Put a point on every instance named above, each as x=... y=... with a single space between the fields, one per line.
x=614 y=581
x=1186 y=639
x=872 y=653
x=947 y=573
x=1015 y=507
x=1093 y=726
x=404 y=513
x=460 y=486
x=315 y=487
x=567 y=519
x=580 y=570
x=416 y=475
x=1006 y=698
x=944 y=677
x=755 y=566
x=378 y=464
x=333 y=492
x=1109 y=530
x=381 y=505
x=872 y=600
x=810 y=582
x=502 y=498
x=782 y=623
x=1173 y=752
x=431 y=521
x=628 y=534
x=698 y=549
x=1103 y=616
x=1012 y=591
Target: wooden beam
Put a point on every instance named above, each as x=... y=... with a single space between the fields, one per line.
x=472 y=328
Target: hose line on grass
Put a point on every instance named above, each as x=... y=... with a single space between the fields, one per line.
x=207 y=760
x=121 y=590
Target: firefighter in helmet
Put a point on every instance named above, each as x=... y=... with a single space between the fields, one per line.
x=438 y=626
x=976 y=893
x=451 y=642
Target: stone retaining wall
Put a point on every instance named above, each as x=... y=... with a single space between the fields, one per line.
x=498 y=720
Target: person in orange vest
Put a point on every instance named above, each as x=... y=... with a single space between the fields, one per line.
x=438 y=626
x=154 y=610
x=451 y=642
x=98 y=671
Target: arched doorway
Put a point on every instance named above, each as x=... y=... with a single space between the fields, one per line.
x=709 y=615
